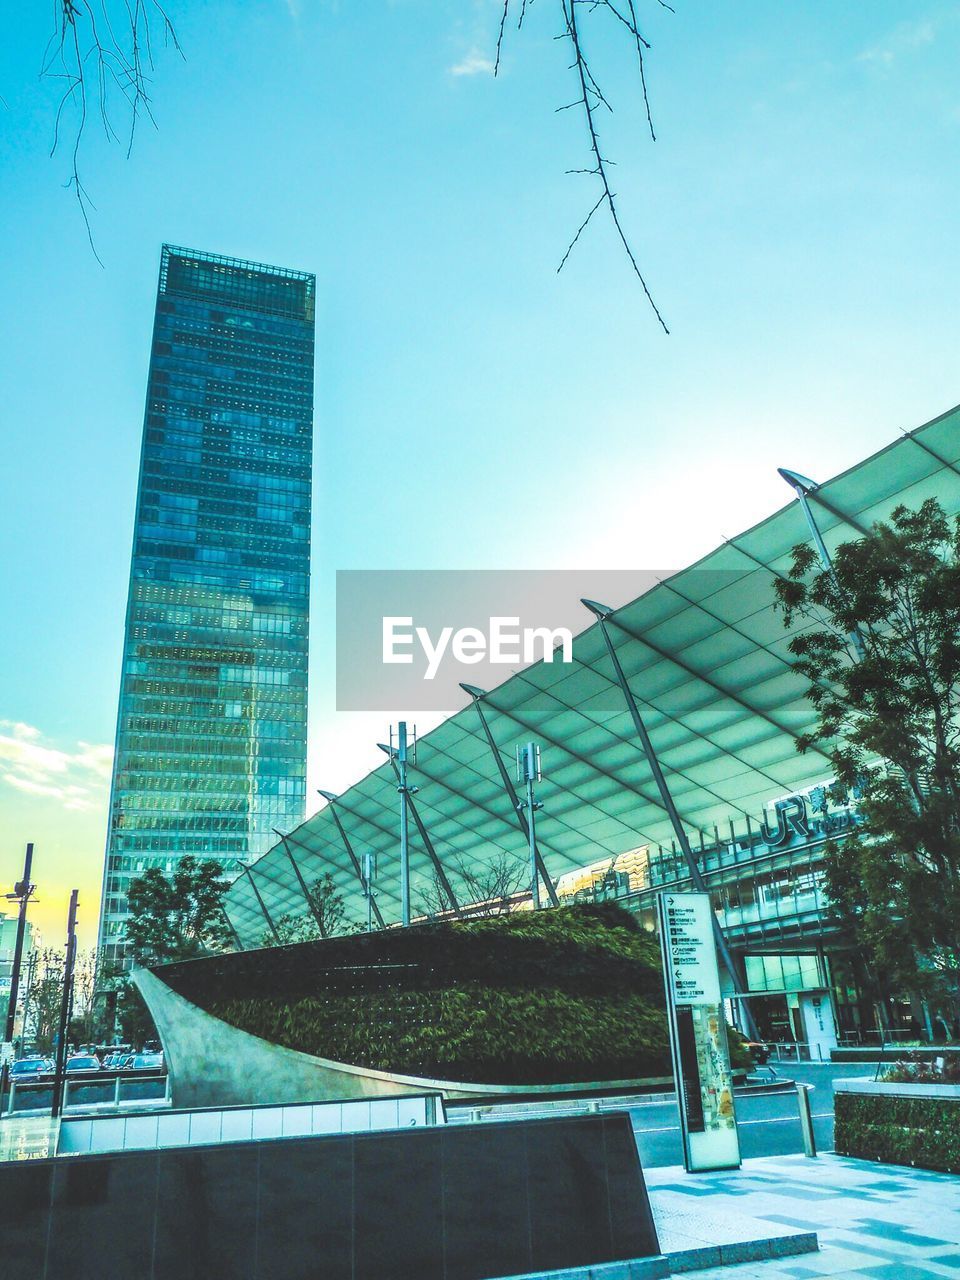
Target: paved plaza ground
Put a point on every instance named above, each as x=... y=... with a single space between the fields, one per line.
x=874 y=1222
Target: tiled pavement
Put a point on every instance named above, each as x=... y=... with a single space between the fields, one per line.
x=874 y=1222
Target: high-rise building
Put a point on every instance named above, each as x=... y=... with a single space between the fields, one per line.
x=211 y=730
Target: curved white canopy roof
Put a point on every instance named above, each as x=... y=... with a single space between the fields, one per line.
x=706 y=657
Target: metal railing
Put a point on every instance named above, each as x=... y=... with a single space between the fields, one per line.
x=794 y=1051
x=93 y=1093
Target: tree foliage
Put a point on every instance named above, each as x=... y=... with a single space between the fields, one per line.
x=487 y=887
x=881 y=653
x=179 y=916
x=104 y=1001
x=326 y=919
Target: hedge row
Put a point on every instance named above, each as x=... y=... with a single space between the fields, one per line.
x=899 y=1130
x=585 y=948
x=567 y=995
x=471 y=1033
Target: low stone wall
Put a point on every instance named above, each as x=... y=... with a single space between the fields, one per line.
x=460 y=1202
x=910 y=1124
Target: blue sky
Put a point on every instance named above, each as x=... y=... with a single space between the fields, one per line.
x=796 y=221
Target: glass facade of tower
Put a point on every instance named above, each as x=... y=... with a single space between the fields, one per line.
x=211 y=732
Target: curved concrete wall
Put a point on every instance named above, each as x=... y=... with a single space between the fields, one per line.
x=213 y=1064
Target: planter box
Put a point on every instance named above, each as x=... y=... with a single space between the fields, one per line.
x=893 y=1053
x=909 y=1124
x=884 y=1088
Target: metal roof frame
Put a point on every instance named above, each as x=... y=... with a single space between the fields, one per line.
x=705 y=655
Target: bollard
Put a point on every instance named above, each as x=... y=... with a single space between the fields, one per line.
x=474 y=1115
x=806 y=1119
x=593 y=1105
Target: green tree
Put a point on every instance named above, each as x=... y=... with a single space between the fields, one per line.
x=42 y=998
x=329 y=918
x=178 y=916
x=121 y=1012
x=881 y=653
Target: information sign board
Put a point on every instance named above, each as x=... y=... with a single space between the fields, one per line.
x=698 y=1034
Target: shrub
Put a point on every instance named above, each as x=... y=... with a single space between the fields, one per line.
x=940 y=1070
x=566 y=995
x=899 y=1130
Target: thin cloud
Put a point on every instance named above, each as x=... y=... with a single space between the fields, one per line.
x=474 y=63
x=75 y=778
x=904 y=38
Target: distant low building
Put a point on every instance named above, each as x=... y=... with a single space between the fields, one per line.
x=8 y=942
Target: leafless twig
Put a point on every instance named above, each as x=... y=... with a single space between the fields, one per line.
x=99 y=50
x=589 y=99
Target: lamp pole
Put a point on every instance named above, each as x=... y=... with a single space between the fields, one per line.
x=66 y=1001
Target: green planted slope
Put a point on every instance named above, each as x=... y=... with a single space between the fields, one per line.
x=568 y=995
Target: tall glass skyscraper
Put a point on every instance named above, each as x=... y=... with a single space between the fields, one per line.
x=211 y=730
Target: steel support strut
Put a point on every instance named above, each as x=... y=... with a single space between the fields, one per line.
x=802 y=487
x=318 y=919
x=263 y=905
x=229 y=923
x=477 y=694
x=329 y=796
x=601 y=613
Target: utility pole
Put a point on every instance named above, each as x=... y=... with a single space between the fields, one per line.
x=22 y=892
x=66 y=1003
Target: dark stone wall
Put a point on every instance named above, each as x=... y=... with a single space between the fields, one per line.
x=462 y=1202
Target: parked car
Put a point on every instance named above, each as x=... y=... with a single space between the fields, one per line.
x=759 y=1051
x=147 y=1062
x=117 y=1061
x=30 y=1068
x=82 y=1062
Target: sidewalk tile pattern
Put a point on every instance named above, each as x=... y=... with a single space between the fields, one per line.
x=874 y=1222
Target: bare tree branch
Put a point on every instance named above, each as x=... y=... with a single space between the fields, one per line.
x=94 y=64
x=591 y=96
